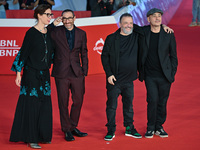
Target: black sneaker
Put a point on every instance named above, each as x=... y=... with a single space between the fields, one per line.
x=149 y=134
x=161 y=133
x=132 y=132
x=109 y=136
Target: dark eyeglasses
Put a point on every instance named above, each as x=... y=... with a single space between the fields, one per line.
x=65 y=19
x=48 y=14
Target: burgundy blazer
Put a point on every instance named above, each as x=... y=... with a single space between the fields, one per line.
x=64 y=57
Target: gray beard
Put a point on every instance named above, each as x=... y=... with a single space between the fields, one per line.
x=126 y=32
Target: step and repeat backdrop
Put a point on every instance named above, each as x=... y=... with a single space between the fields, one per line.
x=12 y=31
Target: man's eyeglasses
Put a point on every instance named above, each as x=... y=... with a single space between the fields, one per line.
x=65 y=19
x=48 y=14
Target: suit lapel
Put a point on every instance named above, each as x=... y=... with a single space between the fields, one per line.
x=63 y=37
x=148 y=34
x=75 y=37
x=117 y=47
x=161 y=40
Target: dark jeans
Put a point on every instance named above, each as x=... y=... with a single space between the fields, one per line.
x=126 y=91
x=157 y=95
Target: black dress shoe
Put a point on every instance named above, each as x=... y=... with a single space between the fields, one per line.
x=69 y=136
x=78 y=133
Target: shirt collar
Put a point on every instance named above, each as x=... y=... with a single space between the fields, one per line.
x=71 y=30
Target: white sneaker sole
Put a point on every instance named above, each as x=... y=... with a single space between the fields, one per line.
x=149 y=137
x=137 y=137
x=162 y=136
x=109 y=139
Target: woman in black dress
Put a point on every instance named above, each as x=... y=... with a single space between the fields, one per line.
x=33 y=117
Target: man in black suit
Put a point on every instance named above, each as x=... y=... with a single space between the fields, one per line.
x=157 y=67
x=119 y=60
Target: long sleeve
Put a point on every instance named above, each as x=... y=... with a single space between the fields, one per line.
x=173 y=55
x=105 y=58
x=23 y=54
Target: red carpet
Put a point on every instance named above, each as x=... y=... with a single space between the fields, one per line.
x=183 y=117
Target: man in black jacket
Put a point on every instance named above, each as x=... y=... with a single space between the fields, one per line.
x=119 y=60
x=157 y=67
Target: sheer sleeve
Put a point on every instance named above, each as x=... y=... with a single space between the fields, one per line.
x=23 y=54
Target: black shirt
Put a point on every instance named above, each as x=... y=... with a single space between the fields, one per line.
x=70 y=38
x=152 y=64
x=127 y=70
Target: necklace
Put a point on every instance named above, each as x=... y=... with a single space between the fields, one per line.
x=41 y=29
x=44 y=36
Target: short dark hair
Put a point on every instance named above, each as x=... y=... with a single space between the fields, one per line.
x=68 y=10
x=125 y=15
x=40 y=10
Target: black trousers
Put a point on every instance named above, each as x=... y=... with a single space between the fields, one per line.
x=158 y=90
x=126 y=91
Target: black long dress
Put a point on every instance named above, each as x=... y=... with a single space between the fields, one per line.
x=33 y=116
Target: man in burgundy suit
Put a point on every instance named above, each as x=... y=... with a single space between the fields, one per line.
x=69 y=72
